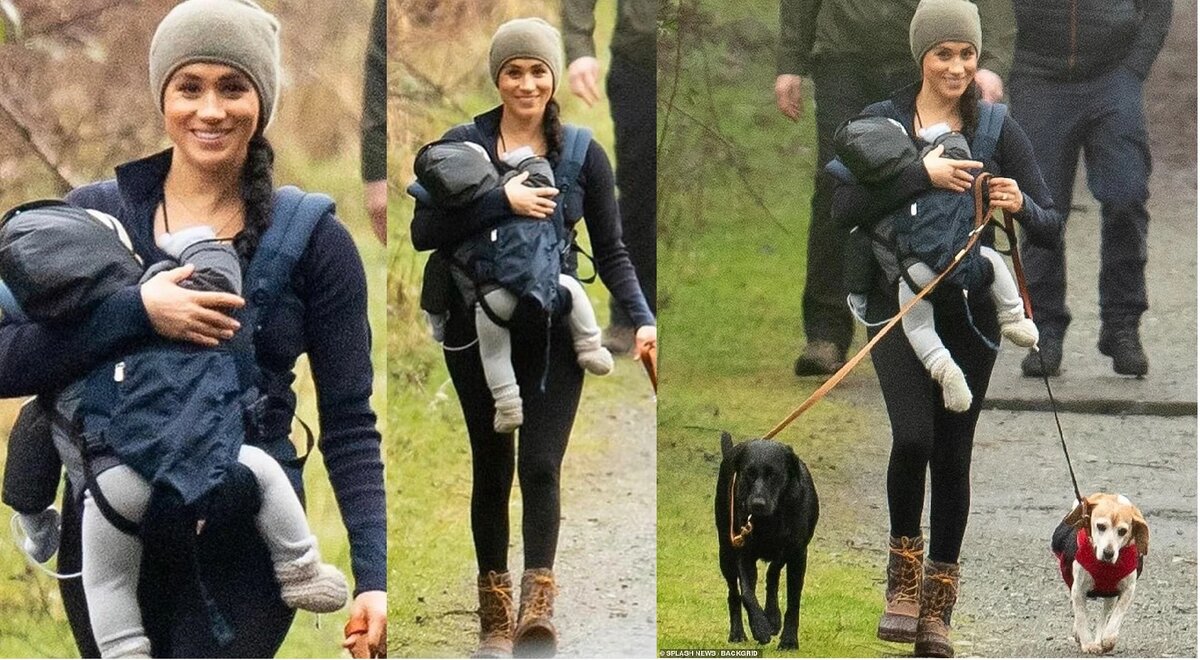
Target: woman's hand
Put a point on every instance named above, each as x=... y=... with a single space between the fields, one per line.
x=949 y=173
x=183 y=314
x=366 y=631
x=530 y=202
x=645 y=339
x=1005 y=194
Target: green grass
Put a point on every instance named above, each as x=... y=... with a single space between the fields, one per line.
x=735 y=183
x=432 y=569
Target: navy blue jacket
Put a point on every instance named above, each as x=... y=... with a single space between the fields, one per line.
x=433 y=228
x=330 y=326
x=1081 y=39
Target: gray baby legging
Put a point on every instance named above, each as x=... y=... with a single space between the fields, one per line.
x=918 y=323
x=112 y=559
x=495 y=344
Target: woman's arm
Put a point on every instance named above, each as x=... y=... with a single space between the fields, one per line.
x=1038 y=216
x=603 y=219
x=338 y=342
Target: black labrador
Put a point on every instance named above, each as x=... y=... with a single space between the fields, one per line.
x=766 y=509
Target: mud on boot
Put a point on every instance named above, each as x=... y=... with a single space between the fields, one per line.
x=536 y=636
x=308 y=584
x=495 y=616
x=939 y=593
x=902 y=600
x=955 y=392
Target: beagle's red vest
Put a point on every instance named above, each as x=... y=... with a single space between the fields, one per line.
x=1105 y=575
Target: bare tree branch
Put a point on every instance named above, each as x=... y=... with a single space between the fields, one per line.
x=65 y=178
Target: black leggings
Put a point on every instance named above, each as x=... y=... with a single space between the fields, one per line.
x=543 y=441
x=925 y=434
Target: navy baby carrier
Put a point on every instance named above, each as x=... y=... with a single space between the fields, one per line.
x=177 y=413
x=523 y=255
x=930 y=228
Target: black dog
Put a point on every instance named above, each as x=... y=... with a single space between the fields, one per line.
x=766 y=509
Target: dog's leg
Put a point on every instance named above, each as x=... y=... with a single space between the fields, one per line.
x=796 y=567
x=773 y=595
x=1082 y=629
x=1108 y=639
x=729 y=568
x=759 y=626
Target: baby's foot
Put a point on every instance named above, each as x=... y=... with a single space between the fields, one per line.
x=1018 y=329
x=308 y=584
x=955 y=393
x=593 y=357
x=509 y=415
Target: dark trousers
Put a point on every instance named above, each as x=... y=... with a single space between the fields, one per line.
x=536 y=458
x=631 y=99
x=841 y=89
x=926 y=436
x=1104 y=117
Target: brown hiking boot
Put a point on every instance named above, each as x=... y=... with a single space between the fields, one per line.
x=820 y=358
x=939 y=592
x=903 y=596
x=536 y=636
x=495 y=616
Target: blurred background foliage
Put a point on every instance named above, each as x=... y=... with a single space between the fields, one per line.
x=75 y=102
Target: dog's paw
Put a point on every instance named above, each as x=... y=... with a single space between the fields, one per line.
x=1090 y=647
x=1108 y=643
x=788 y=642
x=775 y=619
x=737 y=636
x=761 y=628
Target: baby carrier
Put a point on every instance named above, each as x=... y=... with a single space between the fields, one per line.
x=523 y=255
x=930 y=228
x=175 y=413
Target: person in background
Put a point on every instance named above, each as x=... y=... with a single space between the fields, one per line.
x=374 y=123
x=855 y=53
x=630 y=88
x=1077 y=79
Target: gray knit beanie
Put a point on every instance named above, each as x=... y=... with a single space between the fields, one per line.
x=237 y=33
x=526 y=37
x=936 y=21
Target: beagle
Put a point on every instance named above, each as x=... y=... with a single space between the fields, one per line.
x=1100 y=546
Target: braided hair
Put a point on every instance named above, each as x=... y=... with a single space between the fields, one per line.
x=258 y=189
x=552 y=130
x=968 y=108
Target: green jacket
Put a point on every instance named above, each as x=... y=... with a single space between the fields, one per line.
x=374 y=111
x=875 y=31
x=634 y=39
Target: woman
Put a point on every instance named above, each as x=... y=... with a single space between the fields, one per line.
x=525 y=63
x=945 y=40
x=215 y=71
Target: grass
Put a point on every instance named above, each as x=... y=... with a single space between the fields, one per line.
x=735 y=182
x=432 y=588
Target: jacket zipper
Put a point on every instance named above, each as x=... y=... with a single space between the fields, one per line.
x=1071 y=54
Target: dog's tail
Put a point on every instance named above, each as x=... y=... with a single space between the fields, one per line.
x=726 y=443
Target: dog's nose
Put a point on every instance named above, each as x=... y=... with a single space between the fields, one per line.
x=758 y=506
x=1108 y=554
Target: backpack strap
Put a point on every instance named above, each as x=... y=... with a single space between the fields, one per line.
x=294 y=216
x=987 y=133
x=576 y=141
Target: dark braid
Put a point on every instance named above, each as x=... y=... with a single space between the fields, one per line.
x=968 y=108
x=552 y=130
x=258 y=188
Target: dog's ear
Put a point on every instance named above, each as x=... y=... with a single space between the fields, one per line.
x=1080 y=516
x=793 y=466
x=726 y=443
x=1141 y=532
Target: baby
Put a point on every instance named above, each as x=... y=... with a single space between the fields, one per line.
x=111 y=557
x=475 y=176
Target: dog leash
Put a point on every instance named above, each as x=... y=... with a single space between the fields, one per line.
x=982 y=218
x=649 y=360
x=1010 y=232
x=739 y=539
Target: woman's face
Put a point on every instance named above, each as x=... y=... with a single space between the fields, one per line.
x=211 y=112
x=949 y=67
x=526 y=86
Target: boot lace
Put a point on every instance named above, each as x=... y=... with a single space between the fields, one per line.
x=541 y=597
x=495 y=607
x=904 y=569
x=941 y=592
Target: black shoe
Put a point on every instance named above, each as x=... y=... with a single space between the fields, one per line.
x=1121 y=343
x=820 y=358
x=1050 y=361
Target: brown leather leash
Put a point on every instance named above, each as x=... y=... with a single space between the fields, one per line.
x=649 y=360
x=739 y=539
x=982 y=218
